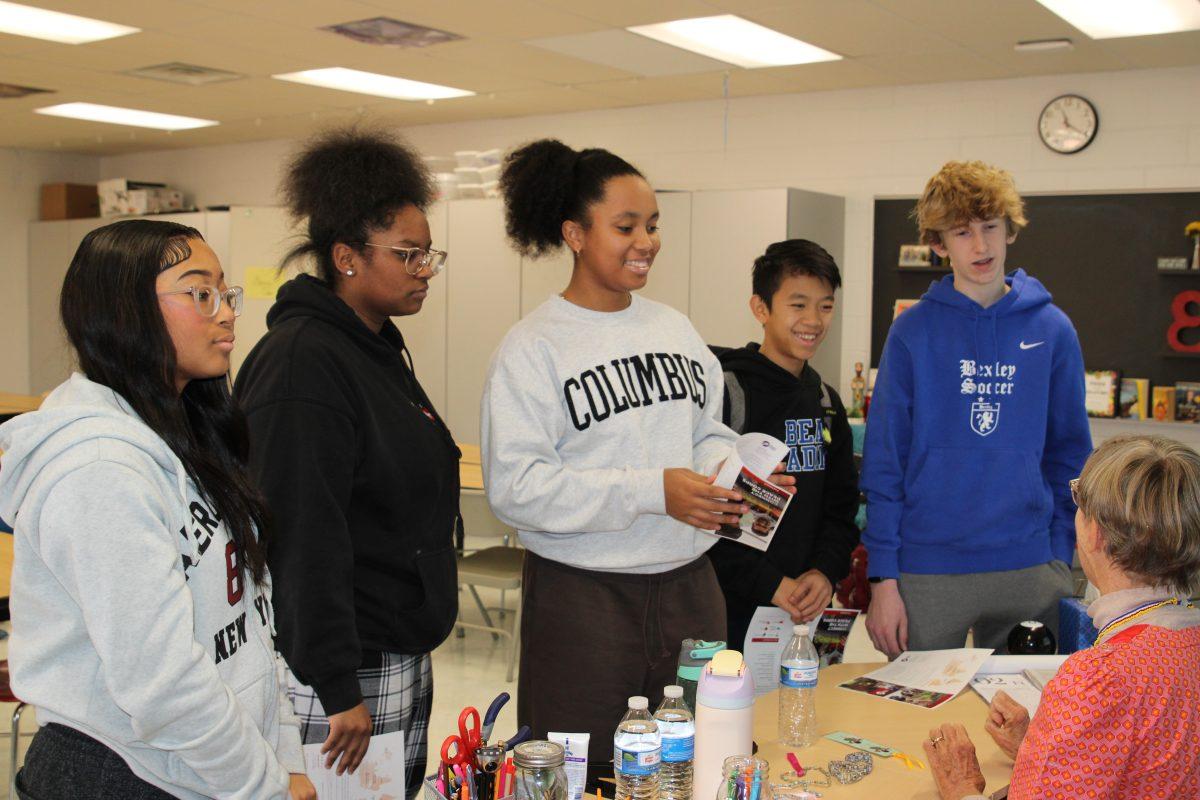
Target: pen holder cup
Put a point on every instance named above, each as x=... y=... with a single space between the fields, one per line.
x=430 y=791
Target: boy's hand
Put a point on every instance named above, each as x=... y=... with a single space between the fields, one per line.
x=692 y=499
x=783 y=598
x=1007 y=722
x=780 y=478
x=887 y=619
x=812 y=595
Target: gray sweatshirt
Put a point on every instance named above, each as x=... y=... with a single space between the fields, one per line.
x=582 y=412
x=129 y=622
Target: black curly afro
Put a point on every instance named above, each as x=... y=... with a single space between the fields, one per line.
x=545 y=183
x=348 y=182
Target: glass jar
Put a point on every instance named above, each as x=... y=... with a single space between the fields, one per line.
x=745 y=778
x=539 y=771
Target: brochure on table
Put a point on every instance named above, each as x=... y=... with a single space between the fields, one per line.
x=380 y=776
x=925 y=679
x=770 y=631
x=747 y=470
x=1021 y=677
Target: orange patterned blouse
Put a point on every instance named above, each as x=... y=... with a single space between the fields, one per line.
x=1120 y=720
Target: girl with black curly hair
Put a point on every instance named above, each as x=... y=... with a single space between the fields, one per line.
x=360 y=471
x=601 y=422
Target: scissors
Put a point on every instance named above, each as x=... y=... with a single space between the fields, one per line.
x=489 y=718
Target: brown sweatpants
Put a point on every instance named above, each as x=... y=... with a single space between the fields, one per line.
x=590 y=640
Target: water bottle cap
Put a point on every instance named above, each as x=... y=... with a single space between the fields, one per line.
x=639 y=703
x=800 y=630
x=673 y=692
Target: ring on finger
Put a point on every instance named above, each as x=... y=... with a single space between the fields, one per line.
x=934 y=741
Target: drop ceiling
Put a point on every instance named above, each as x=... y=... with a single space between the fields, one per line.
x=520 y=57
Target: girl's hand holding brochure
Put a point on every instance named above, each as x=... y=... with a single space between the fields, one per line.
x=693 y=499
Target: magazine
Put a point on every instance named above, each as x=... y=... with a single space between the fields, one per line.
x=747 y=470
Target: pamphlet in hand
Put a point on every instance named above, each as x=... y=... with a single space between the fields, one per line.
x=380 y=776
x=1022 y=677
x=747 y=470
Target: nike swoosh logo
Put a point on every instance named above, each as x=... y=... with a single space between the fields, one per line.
x=1030 y=346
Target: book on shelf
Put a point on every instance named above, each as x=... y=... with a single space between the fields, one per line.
x=1102 y=388
x=1135 y=398
x=1163 y=403
x=1187 y=401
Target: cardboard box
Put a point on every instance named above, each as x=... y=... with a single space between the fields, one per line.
x=69 y=201
x=120 y=197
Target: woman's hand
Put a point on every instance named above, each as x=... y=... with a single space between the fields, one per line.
x=301 y=788
x=953 y=762
x=1007 y=722
x=349 y=735
x=692 y=499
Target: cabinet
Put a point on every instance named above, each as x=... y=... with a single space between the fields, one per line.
x=709 y=242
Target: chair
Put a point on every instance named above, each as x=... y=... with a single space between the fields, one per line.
x=497 y=567
x=6 y=696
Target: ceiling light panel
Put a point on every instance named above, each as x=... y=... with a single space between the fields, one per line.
x=38 y=23
x=1112 y=19
x=736 y=41
x=626 y=51
x=115 y=115
x=353 y=80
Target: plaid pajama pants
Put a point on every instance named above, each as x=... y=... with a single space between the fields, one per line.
x=398 y=694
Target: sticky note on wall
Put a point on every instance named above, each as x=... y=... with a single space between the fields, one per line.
x=263 y=282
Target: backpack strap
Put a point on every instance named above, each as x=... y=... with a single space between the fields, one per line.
x=735 y=406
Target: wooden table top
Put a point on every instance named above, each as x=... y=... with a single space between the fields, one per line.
x=897 y=725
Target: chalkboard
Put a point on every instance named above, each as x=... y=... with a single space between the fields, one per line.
x=1097 y=254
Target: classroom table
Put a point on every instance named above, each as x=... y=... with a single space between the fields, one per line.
x=888 y=722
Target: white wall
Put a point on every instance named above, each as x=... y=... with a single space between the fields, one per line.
x=860 y=144
x=22 y=172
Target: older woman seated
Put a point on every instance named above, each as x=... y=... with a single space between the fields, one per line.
x=1122 y=718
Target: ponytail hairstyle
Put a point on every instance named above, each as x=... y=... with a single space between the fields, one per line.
x=545 y=183
x=348 y=182
x=109 y=307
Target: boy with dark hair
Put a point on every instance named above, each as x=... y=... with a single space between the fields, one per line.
x=771 y=388
x=977 y=425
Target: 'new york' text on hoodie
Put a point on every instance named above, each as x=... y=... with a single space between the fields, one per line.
x=131 y=621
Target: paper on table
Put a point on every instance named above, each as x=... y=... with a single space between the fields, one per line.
x=380 y=776
x=922 y=678
x=769 y=632
x=1007 y=673
x=1017 y=686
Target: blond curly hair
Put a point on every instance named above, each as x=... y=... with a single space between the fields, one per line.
x=965 y=190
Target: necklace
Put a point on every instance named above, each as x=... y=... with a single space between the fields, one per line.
x=1140 y=611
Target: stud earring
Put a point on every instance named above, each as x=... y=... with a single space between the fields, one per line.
x=349 y=273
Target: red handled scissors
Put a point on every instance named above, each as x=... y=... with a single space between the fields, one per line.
x=468 y=740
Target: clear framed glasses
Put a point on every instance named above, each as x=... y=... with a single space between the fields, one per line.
x=416 y=258
x=1074 y=484
x=208 y=300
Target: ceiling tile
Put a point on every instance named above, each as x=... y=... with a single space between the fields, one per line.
x=629 y=52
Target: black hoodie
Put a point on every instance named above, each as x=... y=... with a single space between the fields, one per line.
x=818 y=530
x=361 y=477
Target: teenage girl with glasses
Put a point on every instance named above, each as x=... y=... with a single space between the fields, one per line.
x=358 y=468
x=141 y=602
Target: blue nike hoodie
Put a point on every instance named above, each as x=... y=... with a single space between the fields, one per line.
x=977 y=423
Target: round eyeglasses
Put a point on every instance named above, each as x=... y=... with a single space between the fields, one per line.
x=208 y=300
x=416 y=258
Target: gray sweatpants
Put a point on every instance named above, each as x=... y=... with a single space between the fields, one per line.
x=942 y=608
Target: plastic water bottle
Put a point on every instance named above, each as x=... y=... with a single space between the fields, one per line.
x=798 y=690
x=637 y=751
x=678 y=729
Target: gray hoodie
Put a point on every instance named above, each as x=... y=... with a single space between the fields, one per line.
x=131 y=623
